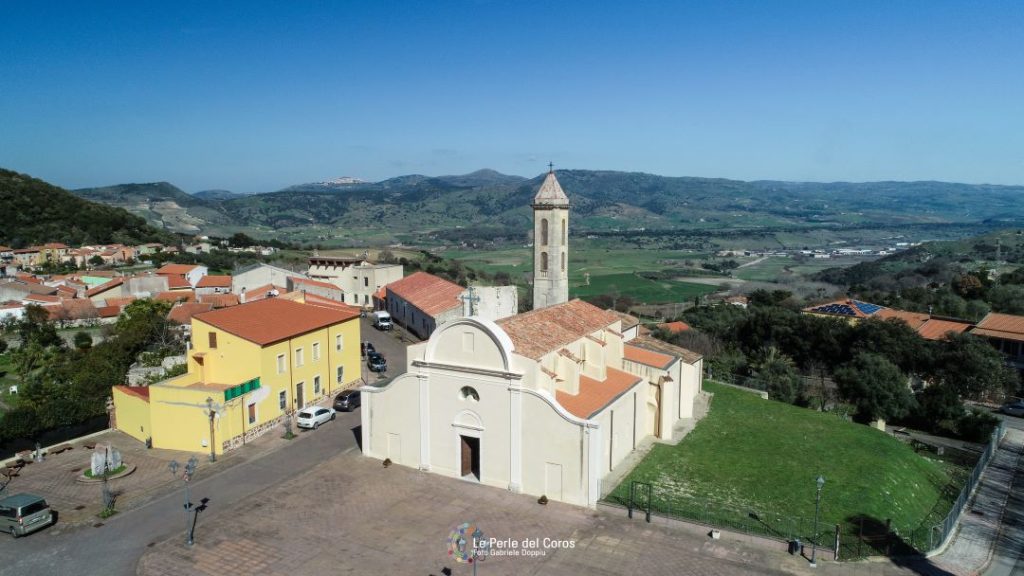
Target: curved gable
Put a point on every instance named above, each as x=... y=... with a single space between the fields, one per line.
x=471 y=342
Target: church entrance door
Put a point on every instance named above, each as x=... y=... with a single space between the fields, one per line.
x=470 y=457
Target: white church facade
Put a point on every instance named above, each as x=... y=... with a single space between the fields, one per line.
x=543 y=403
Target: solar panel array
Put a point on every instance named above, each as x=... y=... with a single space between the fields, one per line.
x=836 y=308
x=866 y=307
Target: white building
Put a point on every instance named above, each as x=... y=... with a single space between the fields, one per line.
x=357 y=277
x=545 y=403
x=421 y=302
x=550 y=244
x=257 y=275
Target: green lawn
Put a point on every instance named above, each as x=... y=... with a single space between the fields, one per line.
x=762 y=457
x=639 y=288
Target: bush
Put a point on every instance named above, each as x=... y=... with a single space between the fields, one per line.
x=977 y=425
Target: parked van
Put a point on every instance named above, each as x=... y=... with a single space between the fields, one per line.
x=381 y=320
x=24 y=513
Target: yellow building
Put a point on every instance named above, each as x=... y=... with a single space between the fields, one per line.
x=253 y=364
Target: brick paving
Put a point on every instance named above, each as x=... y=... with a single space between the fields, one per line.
x=77 y=503
x=350 y=515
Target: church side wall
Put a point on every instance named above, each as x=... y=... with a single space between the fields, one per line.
x=391 y=421
x=622 y=427
x=554 y=454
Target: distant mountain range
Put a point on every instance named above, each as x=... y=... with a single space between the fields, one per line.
x=490 y=203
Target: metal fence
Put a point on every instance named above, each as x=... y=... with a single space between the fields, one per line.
x=858 y=537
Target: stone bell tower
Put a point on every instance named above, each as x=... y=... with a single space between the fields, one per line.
x=550 y=243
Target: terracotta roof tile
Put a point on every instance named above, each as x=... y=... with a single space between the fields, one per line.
x=105 y=286
x=935 y=329
x=545 y=330
x=646 y=357
x=432 y=295
x=219 y=300
x=595 y=395
x=1005 y=326
x=183 y=313
x=317 y=283
x=41 y=298
x=913 y=319
x=109 y=311
x=137 y=391
x=688 y=356
x=675 y=327
x=314 y=300
x=175 y=269
x=214 y=281
x=176 y=296
x=73 y=310
x=273 y=319
x=178 y=283
x=261 y=292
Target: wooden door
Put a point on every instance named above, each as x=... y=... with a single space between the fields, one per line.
x=467 y=456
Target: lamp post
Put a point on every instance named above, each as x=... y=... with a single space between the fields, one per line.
x=186 y=476
x=210 y=411
x=817 y=509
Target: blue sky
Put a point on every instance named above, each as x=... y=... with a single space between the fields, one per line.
x=255 y=96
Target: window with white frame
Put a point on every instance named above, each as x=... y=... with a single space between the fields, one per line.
x=282 y=400
x=280 y=364
x=339 y=342
x=341 y=374
x=316 y=351
x=300 y=357
x=316 y=385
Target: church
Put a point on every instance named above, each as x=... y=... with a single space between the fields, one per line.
x=547 y=402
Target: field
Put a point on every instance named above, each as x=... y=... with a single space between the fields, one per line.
x=776 y=268
x=611 y=270
x=761 y=457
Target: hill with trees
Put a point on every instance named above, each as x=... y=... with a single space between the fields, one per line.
x=35 y=212
x=486 y=203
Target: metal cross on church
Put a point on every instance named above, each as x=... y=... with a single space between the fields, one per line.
x=472 y=299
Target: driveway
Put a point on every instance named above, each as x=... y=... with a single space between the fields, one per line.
x=391 y=344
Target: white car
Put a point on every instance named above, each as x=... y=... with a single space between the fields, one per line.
x=313 y=417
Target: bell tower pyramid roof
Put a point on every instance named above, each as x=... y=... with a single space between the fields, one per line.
x=550 y=193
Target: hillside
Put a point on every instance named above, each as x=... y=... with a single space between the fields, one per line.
x=487 y=204
x=161 y=204
x=217 y=195
x=35 y=212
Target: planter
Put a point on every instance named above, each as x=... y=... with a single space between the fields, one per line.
x=128 y=469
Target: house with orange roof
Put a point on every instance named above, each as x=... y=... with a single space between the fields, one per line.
x=1006 y=333
x=191 y=273
x=357 y=277
x=849 y=309
x=421 y=302
x=674 y=327
x=548 y=402
x=213 y=284
x=316 y=288
x=249 y=367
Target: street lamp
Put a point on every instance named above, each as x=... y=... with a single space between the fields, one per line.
x=817 y=509
x=190 y=470
x=210 y=411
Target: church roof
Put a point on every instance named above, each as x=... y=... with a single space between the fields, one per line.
x=545 y=330
x=596 y=395
x=551 y=193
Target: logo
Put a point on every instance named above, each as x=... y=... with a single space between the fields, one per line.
x=466 y=544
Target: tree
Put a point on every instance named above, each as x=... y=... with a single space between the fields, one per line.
x=777 y=372
x=973 y=369
x=875 y=386
x=83 y=340
x=96 y=260
x=3 y=345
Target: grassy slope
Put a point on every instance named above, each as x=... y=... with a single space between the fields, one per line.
x=763 y=456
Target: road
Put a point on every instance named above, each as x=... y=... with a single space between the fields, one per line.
x=1006 y=558
x=115 y=547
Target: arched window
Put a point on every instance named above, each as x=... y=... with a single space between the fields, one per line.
x=469 y=393
x=544 y=232
x=543 y=261
x=563 y=232
x=563 y=261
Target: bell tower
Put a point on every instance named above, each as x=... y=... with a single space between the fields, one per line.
x=550 y=243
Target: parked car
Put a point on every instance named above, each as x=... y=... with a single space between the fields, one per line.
x=381 y=320
x=366 y=347
x=347 y=401
x=24 y=513
x=1015 y=408
x=313 y=417
x=375 y=362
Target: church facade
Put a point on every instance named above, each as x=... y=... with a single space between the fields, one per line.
x=548 y=402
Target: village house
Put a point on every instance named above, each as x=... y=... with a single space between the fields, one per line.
x=358 y=278
x=256 y=275
x=190 y=273
x=251 y=365
x=421 y=302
